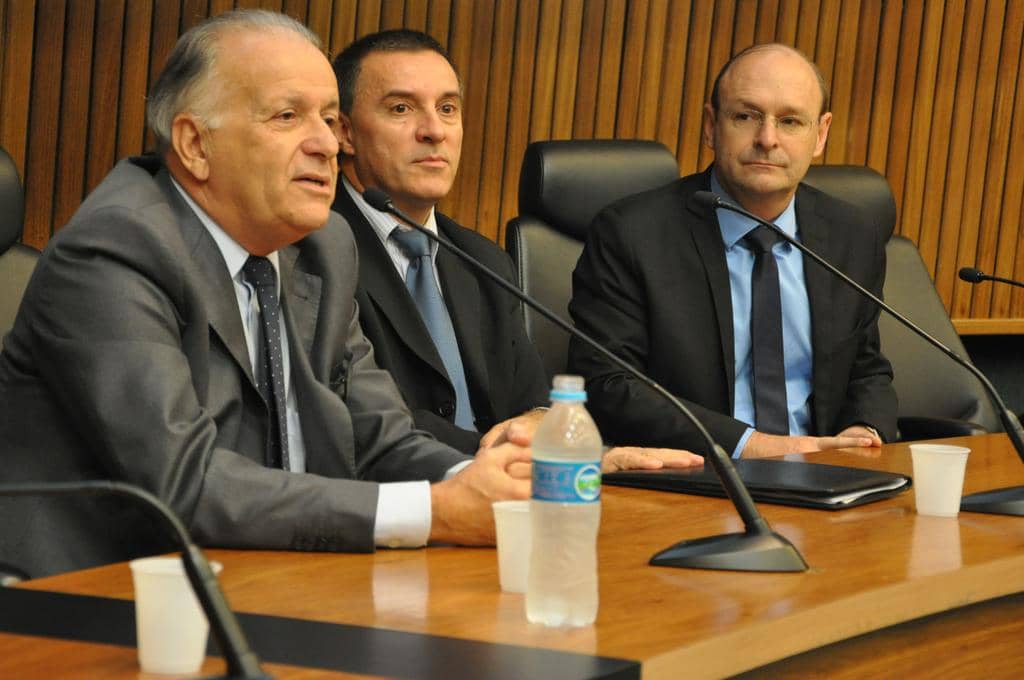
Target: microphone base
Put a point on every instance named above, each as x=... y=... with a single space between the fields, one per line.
x=1008 y=501
x=766 y=551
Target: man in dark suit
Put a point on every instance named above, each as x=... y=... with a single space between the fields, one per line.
x=193 y=331
x=401 y=131
x=671 y=286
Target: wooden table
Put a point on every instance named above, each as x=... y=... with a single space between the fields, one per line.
x=888 y=593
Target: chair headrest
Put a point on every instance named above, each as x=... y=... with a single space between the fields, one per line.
x=566 y=183
x=859 y=185
x=12 y=203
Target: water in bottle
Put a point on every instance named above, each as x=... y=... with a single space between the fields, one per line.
x=565 y=511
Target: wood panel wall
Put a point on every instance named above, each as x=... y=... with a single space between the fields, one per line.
x=926 y=92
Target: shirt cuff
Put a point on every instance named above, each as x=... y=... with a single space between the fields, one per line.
x=742 y=442
x=403 y=515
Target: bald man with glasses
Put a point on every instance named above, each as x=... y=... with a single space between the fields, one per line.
x=772 y=353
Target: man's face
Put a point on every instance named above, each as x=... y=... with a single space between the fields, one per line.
x=273 y=149
x=404 y=133
x=767 y=129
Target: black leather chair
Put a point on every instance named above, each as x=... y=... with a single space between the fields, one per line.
x=16 y=260
x=936 y=398
x=562 y=186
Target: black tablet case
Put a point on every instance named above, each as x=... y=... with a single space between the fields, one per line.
x=783 y=482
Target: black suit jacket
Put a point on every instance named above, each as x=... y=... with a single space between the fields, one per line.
x=128 y=361
x=653 y=286
x=503 y=370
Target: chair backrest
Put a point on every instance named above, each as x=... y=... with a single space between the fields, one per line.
x=16 y=260
x=562 y=187
x=927 y=384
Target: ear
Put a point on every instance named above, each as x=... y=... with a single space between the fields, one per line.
x=189 y=144
x=345 y=135
x=708 y=127
x=823 y=126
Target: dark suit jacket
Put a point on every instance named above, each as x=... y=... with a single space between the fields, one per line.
x=653 y=286
x=128 y=361
x=503 y=370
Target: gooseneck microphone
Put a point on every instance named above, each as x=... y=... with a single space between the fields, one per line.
x=972 y=275
x=758 y=548
x=1008 y=501
x=241 y=661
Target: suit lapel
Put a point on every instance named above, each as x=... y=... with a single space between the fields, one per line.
x=813 y=230
x=218 y=290
x=300 y=293
x=382 y=283
x=462 y=297
x=707 y=238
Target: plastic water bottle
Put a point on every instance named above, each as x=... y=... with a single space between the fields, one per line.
x=565 y=511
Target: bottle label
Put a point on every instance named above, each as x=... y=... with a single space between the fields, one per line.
x=566 y=482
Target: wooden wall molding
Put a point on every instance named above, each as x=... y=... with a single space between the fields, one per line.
x=927 y=92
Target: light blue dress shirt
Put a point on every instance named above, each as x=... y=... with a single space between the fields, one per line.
x=796 y=317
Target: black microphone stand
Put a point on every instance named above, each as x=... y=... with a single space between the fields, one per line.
x=241 y=661
x=1006 y=501
x=757 y=548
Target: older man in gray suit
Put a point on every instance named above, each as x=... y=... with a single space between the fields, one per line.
x=192 y=330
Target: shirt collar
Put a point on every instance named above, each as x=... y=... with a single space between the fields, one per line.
x=234 y=254
x=384 y=223
x=735 y=226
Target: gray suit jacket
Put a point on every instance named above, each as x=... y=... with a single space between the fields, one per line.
x=128 y=361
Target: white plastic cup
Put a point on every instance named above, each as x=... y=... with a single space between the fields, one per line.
x=938 y=478
x=512 y=526
x=170 y=626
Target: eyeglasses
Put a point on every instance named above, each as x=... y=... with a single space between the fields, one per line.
x=749 y=120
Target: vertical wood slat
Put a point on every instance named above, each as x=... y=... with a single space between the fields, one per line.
x=105 y=94
x=76 y=84
x=925 y=92
x=1007 y=75
x=957 y=173
x=974 y=190
x=15 y=84
x=41 y=163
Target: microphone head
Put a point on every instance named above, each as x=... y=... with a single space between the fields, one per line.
x=708 y=199
x=377 y=199
x=972 y=275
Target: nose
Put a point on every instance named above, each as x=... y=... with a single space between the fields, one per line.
x=430 y=128
x=322 y=140
x=767 y=135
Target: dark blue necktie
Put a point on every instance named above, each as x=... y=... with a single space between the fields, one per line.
x=260 y=274
x=771 y=412
x=422 y=284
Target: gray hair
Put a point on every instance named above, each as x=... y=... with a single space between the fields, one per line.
x=183 y=83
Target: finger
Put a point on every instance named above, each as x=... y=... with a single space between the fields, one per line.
x=520 y=470
x=493 y=436
x=505 y=454
x=628 y=458
x=519 y=433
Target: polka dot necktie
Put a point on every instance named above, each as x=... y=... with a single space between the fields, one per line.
x=422 y=284
x=260 y=274
x=771 y=413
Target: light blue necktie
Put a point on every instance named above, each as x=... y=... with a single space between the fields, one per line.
x=422 y=284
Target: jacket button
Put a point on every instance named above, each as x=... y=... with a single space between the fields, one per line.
x=446 y=410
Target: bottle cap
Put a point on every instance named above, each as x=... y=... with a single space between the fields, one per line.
x=568 y=388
